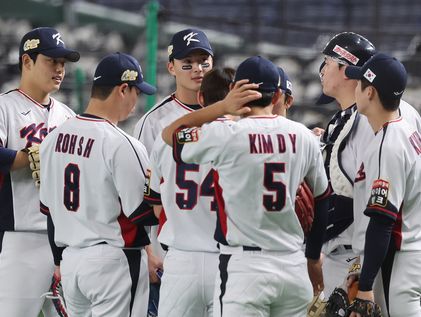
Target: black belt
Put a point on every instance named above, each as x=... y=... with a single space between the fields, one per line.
x=247 y=248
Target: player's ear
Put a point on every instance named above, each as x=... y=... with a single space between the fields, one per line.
x=288 y=101
x=170 y=67
x=123 y=89
x=26 y=61
x=276 y=97
x=200 y=98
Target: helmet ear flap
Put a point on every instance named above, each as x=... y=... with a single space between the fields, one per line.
x=350 y=48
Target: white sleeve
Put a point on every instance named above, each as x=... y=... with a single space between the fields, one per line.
x=146 y=132
x=130 y=161
x=202 y=145
x=316 y=175
x=3 y=126
x=155 y=172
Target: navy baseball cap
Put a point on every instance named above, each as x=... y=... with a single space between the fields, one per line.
x=286 y=84
x=259 y=70
x=118 y=68
x=384 y=72
x=46 y=41
x=185 y=41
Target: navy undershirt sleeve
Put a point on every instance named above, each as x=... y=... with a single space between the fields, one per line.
x=7 y=156
x=316 y=236
x=377 y=241
x=57 y=251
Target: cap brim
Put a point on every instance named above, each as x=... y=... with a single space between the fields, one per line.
x=353 y=72
x=324 y=100
x=146 y=88
x=61 y=52
x=186 y=52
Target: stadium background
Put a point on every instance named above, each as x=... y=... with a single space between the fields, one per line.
x=289 y=32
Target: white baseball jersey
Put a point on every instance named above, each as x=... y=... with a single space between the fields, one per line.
x=98 y=174
x=187 y=194
x=362 y=187
x=23 y=123
x=260 y=162
x=389 y=185
x=161 y=115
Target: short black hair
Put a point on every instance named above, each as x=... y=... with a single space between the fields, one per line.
x=388 y=103
x=216 y=84
x=264 y=101
x=101 y=92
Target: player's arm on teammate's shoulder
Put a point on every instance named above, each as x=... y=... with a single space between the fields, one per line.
x=241 y=94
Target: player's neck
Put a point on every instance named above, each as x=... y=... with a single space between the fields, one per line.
x=260 y=111
x=100 y=109
x=188 y=97
x=345 y=101
x=35 y=93
x=379 y=117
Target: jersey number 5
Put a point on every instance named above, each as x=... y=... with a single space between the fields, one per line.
x=71 y=187
x=276 y=201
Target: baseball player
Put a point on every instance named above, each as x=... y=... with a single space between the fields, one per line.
x=92 y=179
x=27 y=115
x=259 y=234
x=190 y=56
x=389 y=172
x=340 y=139
x=187 y=194
x=346 y=139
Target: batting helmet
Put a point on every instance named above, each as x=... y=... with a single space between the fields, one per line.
x=350 y=48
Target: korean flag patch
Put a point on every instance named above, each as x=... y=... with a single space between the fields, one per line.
x=187 y=135
x=379 y=193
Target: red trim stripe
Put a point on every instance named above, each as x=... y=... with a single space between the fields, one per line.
x=36 y=102
x=397 y=230
x=180 y=103
x=221 y=204
x=386 y=211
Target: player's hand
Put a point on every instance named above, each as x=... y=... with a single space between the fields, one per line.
x=239 y=96
x=315 y=273
x=154 y=264
x=368 y=295
x=318 y=131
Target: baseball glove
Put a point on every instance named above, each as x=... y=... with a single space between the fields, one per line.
x=56 y=295
x=317 y=306
x=365 y=308
x=304 y=207
x=34 y=165
x=337 y=304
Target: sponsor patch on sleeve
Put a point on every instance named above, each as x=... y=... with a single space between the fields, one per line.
x=379 y=193
x=147 y=187
x=187 y=135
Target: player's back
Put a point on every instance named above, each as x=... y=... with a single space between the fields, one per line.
x=261 y=162
x=187 y=194
x=86 y=157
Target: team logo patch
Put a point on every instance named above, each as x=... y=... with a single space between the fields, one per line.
x=170 y=49
x=379 y=193
x=369 y=75
x=346 y=55
x=58 y=39
x=30 y=44
x=147 y=187
x=129 y=75
x=190 y=38
x=187 y=135
x=289 y=85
